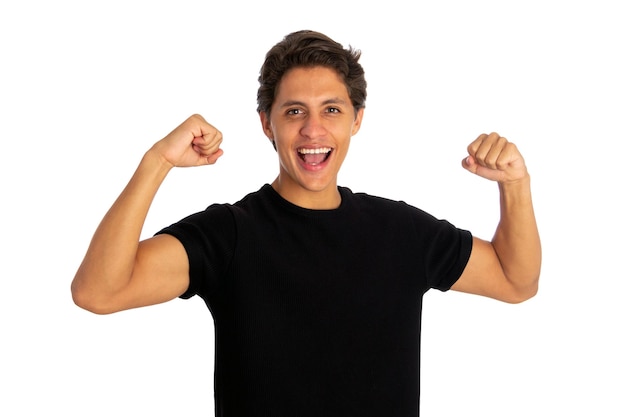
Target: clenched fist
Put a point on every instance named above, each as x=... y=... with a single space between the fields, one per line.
x=193 y=143
x=495 y=158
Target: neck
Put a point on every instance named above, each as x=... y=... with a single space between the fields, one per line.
x=326 y=199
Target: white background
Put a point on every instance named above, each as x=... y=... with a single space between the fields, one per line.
x=87 y=87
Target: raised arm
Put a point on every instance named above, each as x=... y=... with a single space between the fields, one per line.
x=120 y=272
x=508 y=267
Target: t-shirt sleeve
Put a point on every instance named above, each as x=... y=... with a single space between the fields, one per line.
x=442 y=248
x=447 y=254
x=209 y=239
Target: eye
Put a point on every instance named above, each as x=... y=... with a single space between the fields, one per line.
x=294 y=112
x=333 y=110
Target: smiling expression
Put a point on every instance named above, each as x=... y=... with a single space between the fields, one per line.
x=311 y=122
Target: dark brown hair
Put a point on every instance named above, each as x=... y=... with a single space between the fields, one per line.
x=308 y=48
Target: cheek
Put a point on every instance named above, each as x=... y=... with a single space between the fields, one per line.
x=283 y=150
x=285 y=134
x=343 y=150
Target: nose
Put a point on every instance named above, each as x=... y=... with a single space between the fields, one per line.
x=313 y=126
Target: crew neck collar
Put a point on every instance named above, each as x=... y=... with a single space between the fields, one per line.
x=275 y=196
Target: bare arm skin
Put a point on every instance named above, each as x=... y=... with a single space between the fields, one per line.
x=119 y=272
x=508 y=267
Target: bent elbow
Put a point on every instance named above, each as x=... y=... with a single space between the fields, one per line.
x=524 y=294
x=86 y=303
x=88 y=300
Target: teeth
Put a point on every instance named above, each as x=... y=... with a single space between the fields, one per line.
x=313 y=151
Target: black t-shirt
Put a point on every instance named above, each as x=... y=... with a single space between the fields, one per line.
x=318 y=312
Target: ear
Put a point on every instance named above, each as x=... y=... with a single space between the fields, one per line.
x=356 y=125
x=267 y=126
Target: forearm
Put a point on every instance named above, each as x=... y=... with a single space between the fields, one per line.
x=516 y=241
x=110 y=258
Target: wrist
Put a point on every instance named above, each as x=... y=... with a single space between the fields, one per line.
x=155 y=165
x=155 y=159
x=514 y=184
x=516 y=192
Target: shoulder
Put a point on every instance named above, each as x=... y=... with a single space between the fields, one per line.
x=227 y=212
x=382 y=205
x=401 y=217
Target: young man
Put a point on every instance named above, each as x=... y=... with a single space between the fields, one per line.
x=315 y=291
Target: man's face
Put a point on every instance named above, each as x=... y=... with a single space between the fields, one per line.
x=311 y=123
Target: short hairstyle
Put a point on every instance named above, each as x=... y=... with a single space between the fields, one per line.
x=307 y=48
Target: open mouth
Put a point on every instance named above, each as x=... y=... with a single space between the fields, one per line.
x=314 y=156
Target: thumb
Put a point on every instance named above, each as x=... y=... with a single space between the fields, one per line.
x=469 y=163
